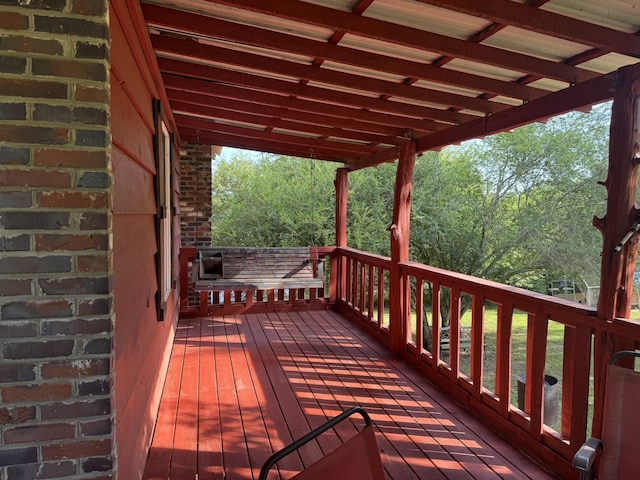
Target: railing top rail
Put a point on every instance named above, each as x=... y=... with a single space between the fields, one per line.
x=370 y=257
x=470 y=284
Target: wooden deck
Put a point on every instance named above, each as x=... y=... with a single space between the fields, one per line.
x=241 y=387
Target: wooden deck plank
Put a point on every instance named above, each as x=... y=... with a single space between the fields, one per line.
x=249 y=393
x=364 y=376
x=237 y=464
x=321 y=402
x=159 y=459
x=297 y=399
x=273 y=385
x=209 y=431
x=269 y=378
x=184 y=458
x=514 y=463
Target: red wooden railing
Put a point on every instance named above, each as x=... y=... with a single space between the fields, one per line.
x=464 y=369
x=193 y=303
x=477 y=362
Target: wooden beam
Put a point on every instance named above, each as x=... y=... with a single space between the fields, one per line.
x=261 y=134
x=190 y=49
x=618 y=265
x=192 y=23
x=399 y=287
x=259 y=103
x=256 y=119
x=338 y=96
x=271 y=145
x=585 y=94
x=412 y=37
x=616 y=277
x=548 y=23
x=341 y=184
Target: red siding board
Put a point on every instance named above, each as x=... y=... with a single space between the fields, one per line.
x=130 y=130
x=142 y=342
x=133 y=188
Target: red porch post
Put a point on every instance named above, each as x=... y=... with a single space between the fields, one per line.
x=342 y=190
x=398 y=289
x=618 y=263
x=341 y=184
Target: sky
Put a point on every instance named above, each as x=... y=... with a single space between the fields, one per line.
x=228 y=153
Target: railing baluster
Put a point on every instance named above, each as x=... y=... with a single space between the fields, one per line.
x=536 y=371
x=419 y=314
x=575 y=386
x=362 y=288
x=454 y=331
x=503 y=357
x=381 y=290
x=370 y=295
x=435 y=323
x=477 y=344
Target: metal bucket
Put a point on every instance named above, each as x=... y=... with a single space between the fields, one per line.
x=551 y=398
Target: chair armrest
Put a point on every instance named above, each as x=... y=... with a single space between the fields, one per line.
x=586 y=455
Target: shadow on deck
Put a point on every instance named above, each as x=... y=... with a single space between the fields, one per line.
x=241 y=387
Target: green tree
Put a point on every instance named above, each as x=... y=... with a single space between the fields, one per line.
x=515 y=207
x=272 y=201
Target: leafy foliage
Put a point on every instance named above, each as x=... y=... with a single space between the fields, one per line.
x=515 y=207
x=272 y=201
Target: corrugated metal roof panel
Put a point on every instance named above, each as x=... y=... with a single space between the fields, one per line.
x=621 y=15
x=426 y=17
x=535 y=44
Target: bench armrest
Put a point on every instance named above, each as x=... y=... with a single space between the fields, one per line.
x=586 y=455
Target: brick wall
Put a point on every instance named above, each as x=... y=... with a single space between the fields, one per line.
x=195 y=195
x=55 y=260
x=195 y=200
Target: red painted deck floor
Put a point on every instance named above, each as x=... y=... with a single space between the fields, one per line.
x=241 y=387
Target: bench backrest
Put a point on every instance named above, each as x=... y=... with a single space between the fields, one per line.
x=240 y=263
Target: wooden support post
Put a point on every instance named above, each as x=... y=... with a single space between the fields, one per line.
x=617 y=265
x=341 y=184
x=342 y=191
x=398 y=287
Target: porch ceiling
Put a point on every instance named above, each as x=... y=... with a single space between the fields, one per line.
x=348 y=81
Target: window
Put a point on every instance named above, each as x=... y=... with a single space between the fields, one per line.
x=164 y=181
x=163 y=153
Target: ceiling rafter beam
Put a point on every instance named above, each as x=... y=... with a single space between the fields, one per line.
x=412 y=37
x=416 y=113
x=185 y=102
x=261 y=103
x=192 y=135
x=594 y=91
x=205 y=52
x=192 y=23
x=548 y=23
x=328 y=145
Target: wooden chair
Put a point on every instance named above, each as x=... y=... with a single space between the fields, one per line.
x=357 y=458
x=620 y=444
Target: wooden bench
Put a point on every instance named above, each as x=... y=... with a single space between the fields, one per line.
x=465 y=338
x=254 y=268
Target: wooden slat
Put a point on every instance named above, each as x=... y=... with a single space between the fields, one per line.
x=159 y=460
x=259 y=269
x=209 y=426
x=266 y=379
x=234 y=447
x=184 y=457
